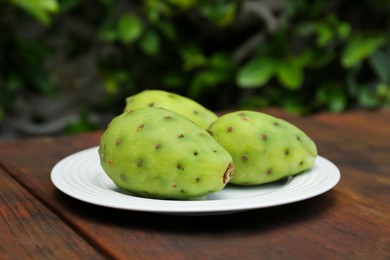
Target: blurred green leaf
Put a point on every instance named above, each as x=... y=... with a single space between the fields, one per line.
x=339 y=28
x=40 y=9
x=324 y=34
x=167 y=29
x=294 y=104
x=352 y=81
x=326 y=31
x=192 y=57
x=129 y=28
x=359 y=48
x=343 y=30
x=256 y=73
x=380 y=62
x=110 y=86
x=332 y=96
x=322 y=58
x=150 y=43
x=305 y=58
x=222 y=14
x=305 y=29
x=183 y=4
x=220 y=60
x=253 y=101
x=83 y=124
x=173 y=80
x=383 y=90
x=113 y=81
x=206 y=79
x=68 y=5
x=108 y=33
x=155 y=9
x=368 y=98
x=311 y=9
x=290 y=74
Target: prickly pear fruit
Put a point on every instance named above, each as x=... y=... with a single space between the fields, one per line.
x=264 y=148
x=174 y=102
x=157 y=153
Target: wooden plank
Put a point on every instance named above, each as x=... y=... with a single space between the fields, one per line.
x=360 y=142
x=346 y=222
x=369 y=123
x=332 y=225
x=29 y=230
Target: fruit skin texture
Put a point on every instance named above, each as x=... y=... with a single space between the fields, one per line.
x=264 y=148
x=156 y=153
x=176 y=103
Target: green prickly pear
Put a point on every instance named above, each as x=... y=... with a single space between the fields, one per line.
x=174 y=102
x=264 y=148
x=157 y=153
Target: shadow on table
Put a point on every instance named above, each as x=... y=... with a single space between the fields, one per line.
x=260 y=220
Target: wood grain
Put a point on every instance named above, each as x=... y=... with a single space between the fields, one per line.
x=29 y=230
x=349 y=222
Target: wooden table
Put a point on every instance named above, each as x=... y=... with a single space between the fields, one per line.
x=351 y=221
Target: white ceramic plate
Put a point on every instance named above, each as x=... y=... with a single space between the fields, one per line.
x=81 y=176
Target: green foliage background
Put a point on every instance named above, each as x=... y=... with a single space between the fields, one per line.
x=316 y=55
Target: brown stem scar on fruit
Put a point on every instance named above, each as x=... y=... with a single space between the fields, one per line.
x=140 y=127
x=228 y=173
x=139 y=163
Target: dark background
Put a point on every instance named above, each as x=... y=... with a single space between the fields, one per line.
x=67 y=66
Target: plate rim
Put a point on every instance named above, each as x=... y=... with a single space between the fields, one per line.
x=198 y=207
